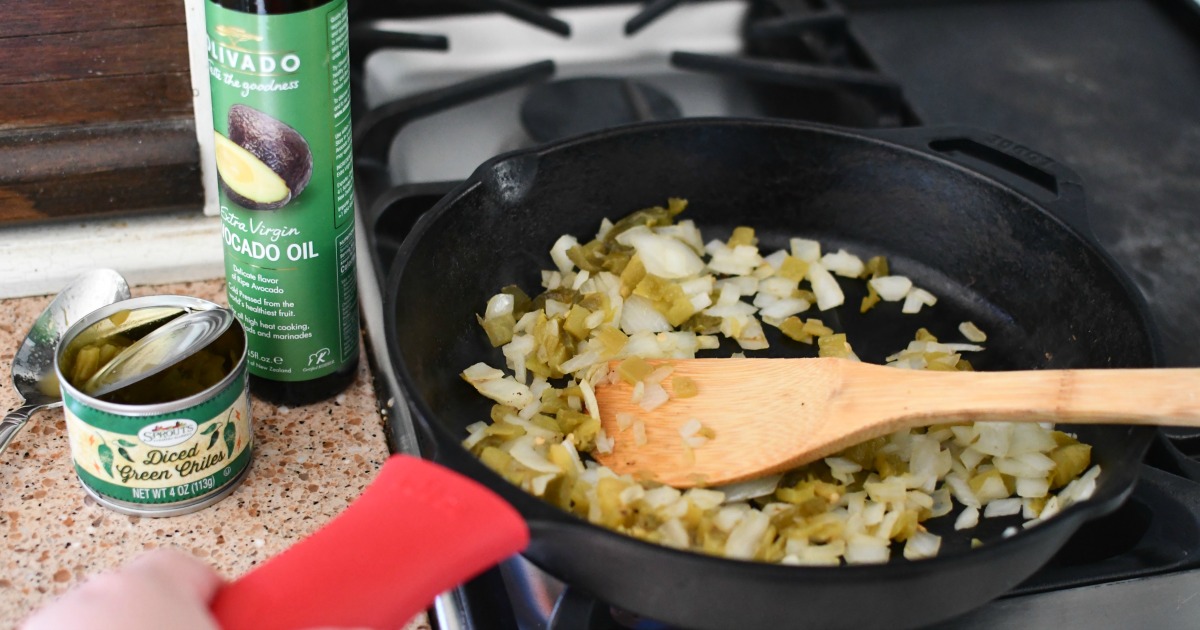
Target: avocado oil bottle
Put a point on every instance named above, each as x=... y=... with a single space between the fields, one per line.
x=280 y=75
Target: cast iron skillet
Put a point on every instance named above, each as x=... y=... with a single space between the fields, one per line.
x=1003 y=249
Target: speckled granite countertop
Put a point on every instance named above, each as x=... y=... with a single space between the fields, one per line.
x=309 y=463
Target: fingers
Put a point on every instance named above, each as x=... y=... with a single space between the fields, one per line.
x=164 y=584
x=176 y=567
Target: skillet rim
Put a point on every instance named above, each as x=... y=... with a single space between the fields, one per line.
x=542 y=516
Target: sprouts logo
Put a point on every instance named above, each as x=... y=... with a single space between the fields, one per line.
x=229 y=51
x=167 y=432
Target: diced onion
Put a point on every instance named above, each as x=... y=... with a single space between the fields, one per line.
x=558 y=253
x=915 y=299
x=971 y=332
x=743 y=540
x=805 y=249
x=825 y=287
x=1002 y=507
x=639 y=315
x=967 y=519
x=626 y=300
x=891 y=288
x=663 y=256
x=843 y=263
x=922 y=545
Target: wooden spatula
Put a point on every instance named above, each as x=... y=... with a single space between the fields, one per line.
x=769 y=415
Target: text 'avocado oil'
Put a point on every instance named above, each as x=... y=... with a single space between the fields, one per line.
x=280 y=76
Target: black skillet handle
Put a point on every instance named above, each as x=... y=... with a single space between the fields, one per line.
x=1052 y=185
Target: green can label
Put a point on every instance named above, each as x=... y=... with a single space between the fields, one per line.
x=281 y=113
x=176 y=457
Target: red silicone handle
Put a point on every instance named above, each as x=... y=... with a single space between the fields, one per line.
x=419 y=529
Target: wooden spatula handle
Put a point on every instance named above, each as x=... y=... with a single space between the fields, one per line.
x=1169 y=397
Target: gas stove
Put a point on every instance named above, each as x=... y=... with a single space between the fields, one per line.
x=1110 y=88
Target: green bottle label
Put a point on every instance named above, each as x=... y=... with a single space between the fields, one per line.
x=281 y=110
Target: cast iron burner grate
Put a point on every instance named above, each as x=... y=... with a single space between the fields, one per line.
x=570 y=107
x=798 y=63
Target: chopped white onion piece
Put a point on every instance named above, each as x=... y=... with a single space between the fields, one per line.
x=776 y=258
x=805 y=249
x=523 y=451
x=785 y=308
x=962 y=490
x=538 y=484
x=663 y=256
x=639 y=391
x=735 y=261
x=639 y=315
x=558 y=253
x=684 y=231
x=639 y=433
x=863 y=549
x=994 y=437
x=605 y=226
x=660 y=374
x=967 y=519
x=825 y=287
x=778 y=287
x=841 y=465
x=922 y=545
x=915 y=299
x=750 y=489
x=1031 y=439
x=481 y=372
x=753 y=337
x=1017 y=468
x=704 y=498
x=743 y=540
x=589 y=399
x=499 y=305
x=554 y=309
x=891 y=288
x=580 y=279
x=971 y=332
x=604 y=444
x=843 y=263
x=700 y=301
x=506 y=391
x=654 y=397
x=633 y=492
x=674 y=534
x=661 y=496
x=733 y=309
x=1002 y=507
x=532 y=430
x=529 y=411
x=1033 y=488
x=476 y=432
x=580 y=361
x=763 y=300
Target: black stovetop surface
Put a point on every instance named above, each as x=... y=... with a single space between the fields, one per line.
x=1109 y=88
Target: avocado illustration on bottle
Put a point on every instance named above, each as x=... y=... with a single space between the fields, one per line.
x=280 y=76
x=263 y=163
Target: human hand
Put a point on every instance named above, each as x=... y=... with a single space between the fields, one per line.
x=160 y=589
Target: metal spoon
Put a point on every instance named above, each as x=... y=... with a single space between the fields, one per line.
x=167 y=345
x=33 y=365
